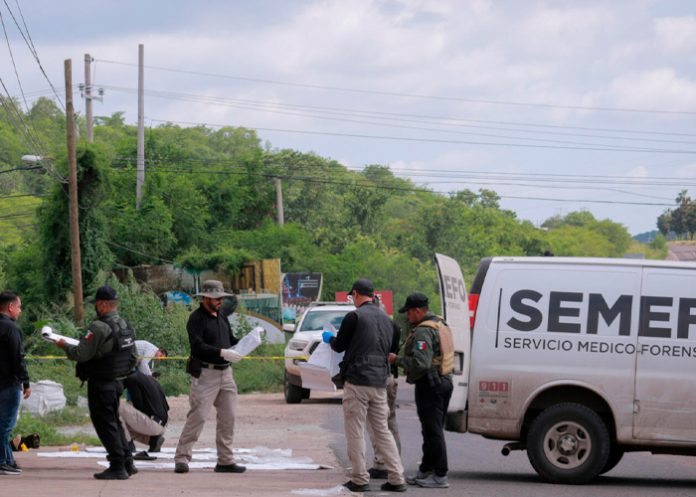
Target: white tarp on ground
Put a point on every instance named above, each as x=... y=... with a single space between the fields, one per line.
x=46 y=396
x=322 y=365
x=258 y=458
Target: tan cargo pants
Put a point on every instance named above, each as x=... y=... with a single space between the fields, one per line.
x=138 y=426
x=217 y=389
x=368 y=405
x=392 y=388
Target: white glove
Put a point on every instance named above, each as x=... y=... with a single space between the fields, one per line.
x=230 y=355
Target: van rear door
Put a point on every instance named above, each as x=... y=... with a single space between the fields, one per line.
x=665 y=397
x=455 y=310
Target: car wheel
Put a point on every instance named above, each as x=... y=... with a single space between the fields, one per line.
x=293 y=393
x=615 y=455
x=568 y=443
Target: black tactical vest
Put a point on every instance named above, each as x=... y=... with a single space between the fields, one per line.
x=365 y=361
x=116 y=363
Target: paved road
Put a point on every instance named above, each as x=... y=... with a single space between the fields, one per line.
x=477 y=467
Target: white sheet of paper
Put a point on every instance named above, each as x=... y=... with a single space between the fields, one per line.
x=47 y=334
x=316 y=378
x=322 y=365
x=249 y=342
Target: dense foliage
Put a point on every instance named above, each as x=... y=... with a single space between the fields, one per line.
x=209 y=202
x=680 y=221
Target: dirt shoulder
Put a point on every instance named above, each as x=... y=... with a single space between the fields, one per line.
x=262 y=420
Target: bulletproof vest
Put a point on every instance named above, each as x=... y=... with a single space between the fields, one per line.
x=365 y=361
x=117 y=362
x=445 y=360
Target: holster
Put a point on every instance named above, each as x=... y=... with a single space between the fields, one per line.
x=193 y=367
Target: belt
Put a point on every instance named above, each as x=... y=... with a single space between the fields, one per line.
x=219 y=367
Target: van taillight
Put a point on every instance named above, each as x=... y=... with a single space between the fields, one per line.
x=473 y=304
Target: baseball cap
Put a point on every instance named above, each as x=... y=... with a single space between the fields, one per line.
x=414 y=301
x=363 y=286
x=105 y=293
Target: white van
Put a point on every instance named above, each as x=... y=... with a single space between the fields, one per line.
x=575 y=360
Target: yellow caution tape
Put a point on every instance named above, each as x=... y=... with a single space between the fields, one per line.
x=177 y=358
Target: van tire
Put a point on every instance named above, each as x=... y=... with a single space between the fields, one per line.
x=293 y=393
x=568 y=443
x=615 y=455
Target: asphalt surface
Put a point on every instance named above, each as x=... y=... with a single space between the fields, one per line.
x=478 y=469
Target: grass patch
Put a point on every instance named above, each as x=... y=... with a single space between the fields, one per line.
x=46 y=428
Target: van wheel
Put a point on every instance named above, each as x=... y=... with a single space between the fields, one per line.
x=568 y=443
x=615 y=455
x=293 y=393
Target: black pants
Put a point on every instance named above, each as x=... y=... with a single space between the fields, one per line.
x=103 y=398
x=431 y=403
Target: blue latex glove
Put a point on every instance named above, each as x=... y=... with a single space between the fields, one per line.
x=327 y=336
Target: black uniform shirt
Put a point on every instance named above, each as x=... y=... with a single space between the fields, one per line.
x=13 y=370
x=208 y=334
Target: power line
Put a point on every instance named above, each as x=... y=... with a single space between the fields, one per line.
x=9 y=49
x=128 y=249
x=408 y=95
x=181 y=170
x=451 y=176
x=310 y=110
x=439 y=140
x=32 y=49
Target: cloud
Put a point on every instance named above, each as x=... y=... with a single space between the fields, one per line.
x=676 y=35
x=660 y=88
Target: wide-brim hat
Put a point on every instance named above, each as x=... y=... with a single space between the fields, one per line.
x=213 y=289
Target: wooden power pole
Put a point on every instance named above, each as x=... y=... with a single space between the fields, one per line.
x=140 y=146
x=280 y=213
x=72 y=187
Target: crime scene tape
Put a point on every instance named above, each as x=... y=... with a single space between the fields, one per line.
x=175 y=358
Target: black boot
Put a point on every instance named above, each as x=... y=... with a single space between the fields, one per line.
x=130 y=467
x=113 y=472
x=156 y=443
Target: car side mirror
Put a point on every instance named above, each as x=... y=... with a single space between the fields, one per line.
x=289 y=327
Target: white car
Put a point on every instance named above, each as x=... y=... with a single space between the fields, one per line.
x=306 y=338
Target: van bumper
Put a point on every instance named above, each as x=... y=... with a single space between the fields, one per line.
x=503 y=429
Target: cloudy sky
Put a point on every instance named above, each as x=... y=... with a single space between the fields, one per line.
x=556 y=105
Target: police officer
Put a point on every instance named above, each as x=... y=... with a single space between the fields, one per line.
x=428 y=361
x=366 y=336
x=105 y=355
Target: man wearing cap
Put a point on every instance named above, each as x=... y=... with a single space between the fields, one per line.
x=212 y=383
x=105 y=355
x=428 y=360
x=366 y=336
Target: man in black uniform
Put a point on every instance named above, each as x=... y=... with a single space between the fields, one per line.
x=14 y=379
x=428 y=361
x=146 y=415
x=211 y=339
x=105 y=356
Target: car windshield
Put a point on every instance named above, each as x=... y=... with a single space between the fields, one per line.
x=316 y=320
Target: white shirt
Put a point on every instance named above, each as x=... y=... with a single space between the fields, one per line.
x=145 y=349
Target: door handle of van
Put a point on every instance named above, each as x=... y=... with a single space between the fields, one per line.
x=458 y=362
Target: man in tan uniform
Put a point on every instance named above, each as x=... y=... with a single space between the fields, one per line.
x=211 y=337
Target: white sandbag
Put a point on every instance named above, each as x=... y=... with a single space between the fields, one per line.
x=46 y=396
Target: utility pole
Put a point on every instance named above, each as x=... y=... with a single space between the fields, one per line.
x=72 y=187
x=140 y=157
x=279 y=202
x=88 y=98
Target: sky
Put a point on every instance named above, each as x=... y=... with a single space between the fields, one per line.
x=558 y=106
